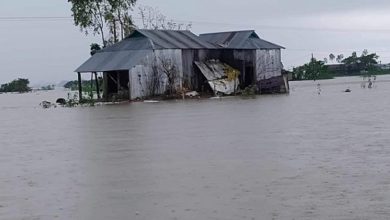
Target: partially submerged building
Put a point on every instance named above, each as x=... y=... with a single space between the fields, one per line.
x=259 y=61
x=152 y=62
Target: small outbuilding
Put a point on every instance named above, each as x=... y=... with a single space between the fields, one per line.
x=258 y=60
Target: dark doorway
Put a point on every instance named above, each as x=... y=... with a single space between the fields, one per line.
x=117 y=84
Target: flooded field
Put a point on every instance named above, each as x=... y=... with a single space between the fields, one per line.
x=297 y=156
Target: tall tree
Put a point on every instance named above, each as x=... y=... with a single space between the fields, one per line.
x=100 y=16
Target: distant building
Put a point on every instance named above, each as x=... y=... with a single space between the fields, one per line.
x=140 y=65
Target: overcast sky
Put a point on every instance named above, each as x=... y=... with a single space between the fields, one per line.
x=49 y=50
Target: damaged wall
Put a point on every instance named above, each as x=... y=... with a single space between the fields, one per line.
x=191 y=75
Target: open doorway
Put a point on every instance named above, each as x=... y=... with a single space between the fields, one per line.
x=116 y=85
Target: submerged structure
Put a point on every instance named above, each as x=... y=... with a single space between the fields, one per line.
x=259 y=61
x=155 y=62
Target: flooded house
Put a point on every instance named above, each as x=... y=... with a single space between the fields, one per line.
x=155 y=62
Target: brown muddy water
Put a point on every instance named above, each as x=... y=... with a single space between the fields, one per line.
x=297 y=156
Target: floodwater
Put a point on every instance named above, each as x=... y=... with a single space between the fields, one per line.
x=297 y=156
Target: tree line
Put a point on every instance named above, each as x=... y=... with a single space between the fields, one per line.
x=365 y=64
x=18 y=85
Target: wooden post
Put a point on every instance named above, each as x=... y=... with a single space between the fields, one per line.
x=118 y=81
x=80 y=87
x=105 y=86
x=97 y=85
x=129 y=84
x=244 y=74
x=91 y=94
x=286 y=84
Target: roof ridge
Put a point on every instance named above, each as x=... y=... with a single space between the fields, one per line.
x=163 y=30
x=225 y=32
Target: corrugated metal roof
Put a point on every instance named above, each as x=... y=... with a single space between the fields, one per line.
x=160 y=39
x=125 y=54
x=169 y=39
x=110 y=61
x=134 y=43
x=239 y=40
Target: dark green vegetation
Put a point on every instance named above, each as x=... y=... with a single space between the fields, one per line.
x=94 y=48
x=314 y=70
x=73 y=101
x=364 y=65
x=97 y=16
x=18 y=85
x=87 y=86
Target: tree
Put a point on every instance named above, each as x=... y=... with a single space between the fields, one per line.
x=153 y=19
x=314 y=70
x=332 y=57
x=353 y=59
x=99 y=15
x=364 y=62
x=95 y=48
x=19 y=85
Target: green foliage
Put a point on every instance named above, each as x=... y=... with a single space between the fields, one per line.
x=365 y=61
x=97 y=16
x=249 y=91
x=95 y=48
x=88 y=101
x=19 y=85
x=73 y=101
x=314 y=70
x=85 y=85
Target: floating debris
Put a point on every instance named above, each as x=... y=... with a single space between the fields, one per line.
x=192 y=94
x=151 y=101
x=348 y=90
x=46 y=104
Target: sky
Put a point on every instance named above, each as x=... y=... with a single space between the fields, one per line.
x=49 y=50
